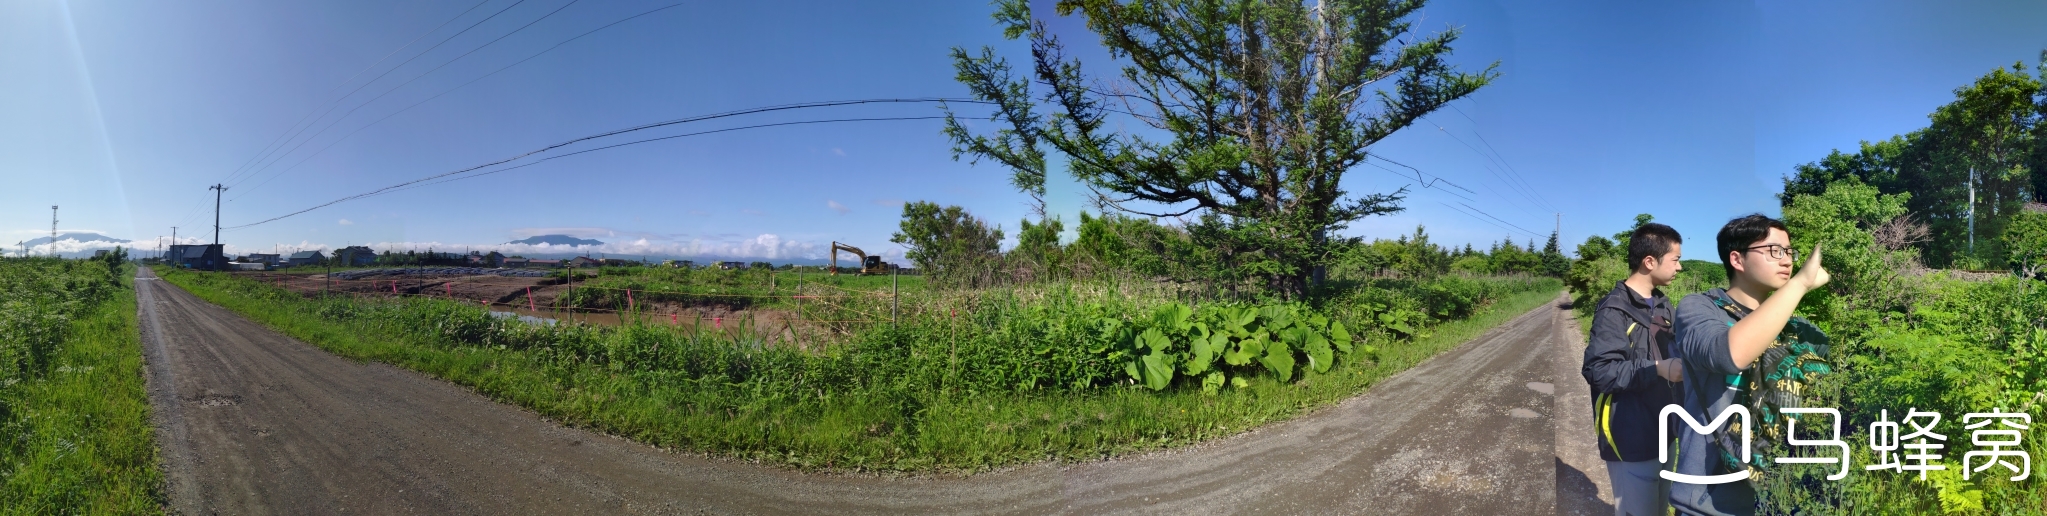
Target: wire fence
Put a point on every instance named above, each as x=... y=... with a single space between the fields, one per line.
x=801 y=317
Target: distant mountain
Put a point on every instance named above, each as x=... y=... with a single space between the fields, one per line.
x=556 y=240
x=75 y=237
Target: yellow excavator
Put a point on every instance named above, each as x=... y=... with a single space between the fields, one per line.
x=869 y=265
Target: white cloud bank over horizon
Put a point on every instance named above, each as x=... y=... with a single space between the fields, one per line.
x=763 y=247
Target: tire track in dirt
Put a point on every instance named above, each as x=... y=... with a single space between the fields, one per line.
x=253 y=422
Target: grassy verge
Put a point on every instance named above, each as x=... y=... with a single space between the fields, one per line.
x=80 y=439
x=849 y=408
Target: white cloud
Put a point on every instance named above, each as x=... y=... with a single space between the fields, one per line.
x=43 y=232
x=835 y=206
x=64 y=246
x=838 y=151
x=346 y=222
x=578 y=232
x=766 y=246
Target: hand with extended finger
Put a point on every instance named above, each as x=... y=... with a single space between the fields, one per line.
x=1671 y=369
x=1812 y=276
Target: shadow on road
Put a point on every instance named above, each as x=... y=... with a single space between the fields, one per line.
x=1576 y=494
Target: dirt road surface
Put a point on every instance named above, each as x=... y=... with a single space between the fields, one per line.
x=252 y=422
x=1582 y=486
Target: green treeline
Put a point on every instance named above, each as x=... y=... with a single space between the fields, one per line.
x=1990 y=136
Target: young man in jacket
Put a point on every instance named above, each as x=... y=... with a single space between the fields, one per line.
x=1633 y=373
x=1721 y=335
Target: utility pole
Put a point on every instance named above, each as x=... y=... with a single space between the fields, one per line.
x=1972 y=211
x=53 y=230
x=217 y=189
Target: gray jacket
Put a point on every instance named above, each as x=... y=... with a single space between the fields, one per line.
x=1711 y=385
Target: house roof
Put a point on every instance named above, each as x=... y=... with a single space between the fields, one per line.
x=301 y=255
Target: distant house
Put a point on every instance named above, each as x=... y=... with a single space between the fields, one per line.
x=479 y=259
x=201 y=257
x=542 y=264
x=304 y=258
x=269 y=259
x=515 y=263
x=584 y=262
x=731 y=265
x=356 y=256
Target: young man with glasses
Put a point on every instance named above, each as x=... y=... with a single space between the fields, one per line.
x=1629 y=365
x=1721 y=334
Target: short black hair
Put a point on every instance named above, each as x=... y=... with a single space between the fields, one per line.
x=1651 y=239
x=1742 y=232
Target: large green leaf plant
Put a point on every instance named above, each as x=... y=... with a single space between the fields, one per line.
x=1227 y=345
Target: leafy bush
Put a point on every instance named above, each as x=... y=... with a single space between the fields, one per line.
x=2025 y=241
x=1904 y=341
x=74 y=429
x=38 y=300
x=946 y=242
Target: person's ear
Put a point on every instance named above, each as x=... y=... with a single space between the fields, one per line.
x=1734 y=260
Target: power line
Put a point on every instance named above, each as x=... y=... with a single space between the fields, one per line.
x=197 y=209
x=1480 y=219
x=283 y=138
x=1509 y=166
x=1490 y=167
x=351 y=111
x=1503 y=221
x=359 y=129
x=1418 y=175
x=544 y=149
x=1424 y=183
x=636 y=142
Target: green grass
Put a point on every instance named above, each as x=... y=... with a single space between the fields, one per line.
x=801 y=416
x=605 y=288
x=83 y=442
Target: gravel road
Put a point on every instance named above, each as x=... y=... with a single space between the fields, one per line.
x=1582 y=486
x=252 y=422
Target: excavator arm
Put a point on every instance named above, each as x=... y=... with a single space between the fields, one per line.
x=836 y=247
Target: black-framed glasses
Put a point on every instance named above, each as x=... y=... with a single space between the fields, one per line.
x=1777 y=252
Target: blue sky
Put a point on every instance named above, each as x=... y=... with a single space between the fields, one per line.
x=123 y=113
